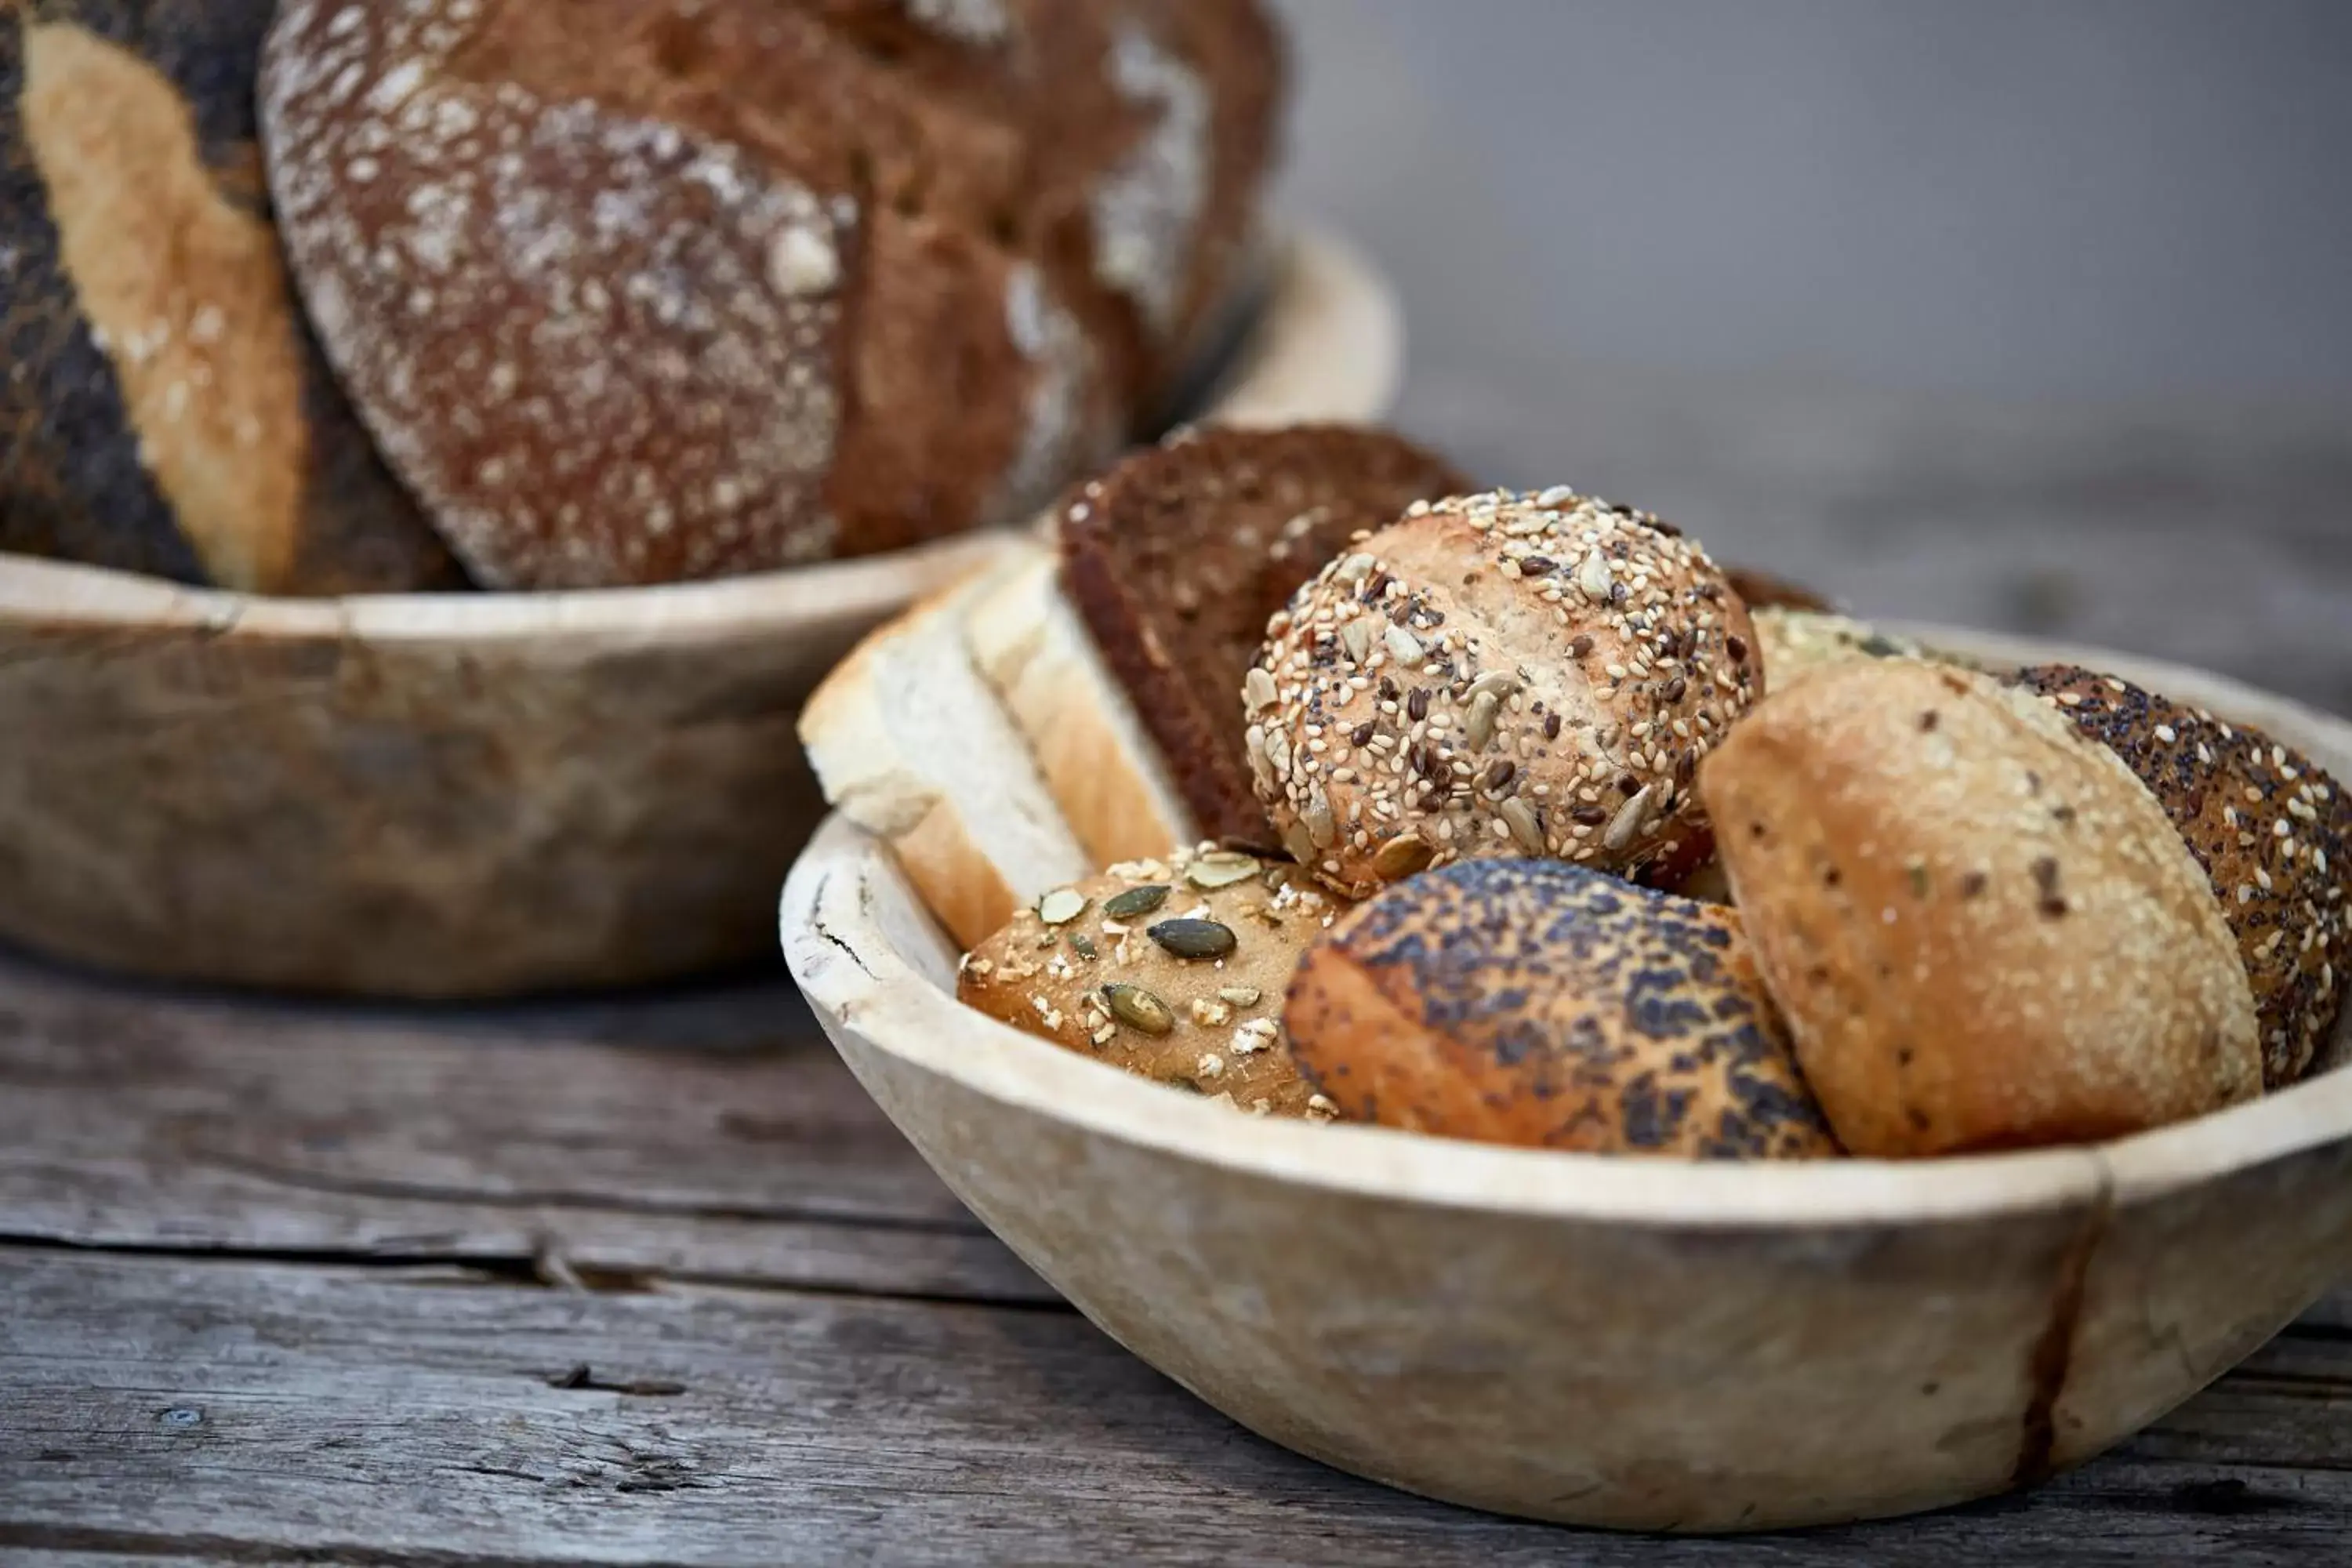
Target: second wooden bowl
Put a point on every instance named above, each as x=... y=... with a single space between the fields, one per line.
x=478 y=795
x=1641 y=1343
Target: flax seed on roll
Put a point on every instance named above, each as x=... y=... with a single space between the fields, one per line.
x=1533 y=1003
x=2271 y=829
x=1982 y=928
x=1535 y=674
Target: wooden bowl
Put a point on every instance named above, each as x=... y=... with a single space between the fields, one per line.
x=475 y=795
x=1635 y=1342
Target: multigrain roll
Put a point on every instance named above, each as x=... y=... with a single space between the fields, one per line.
x=1982 y=928
x=632 y=293
x=2269 y=827
x=1533 y=1003
x=1173 y=969
x=1499 y=674
x=163 y=406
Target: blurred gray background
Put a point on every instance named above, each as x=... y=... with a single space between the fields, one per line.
x=2035 y=313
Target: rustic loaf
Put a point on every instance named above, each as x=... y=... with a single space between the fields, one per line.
x=1982 y=928
x=1172 y=968
x=637 y=292
x=1497 y=675
x=2269 y=827
x=1090 y=746
x=1796 y=642
x=909 y=742
x=163 y=406
x=1535 y=1003
x=1179 y=555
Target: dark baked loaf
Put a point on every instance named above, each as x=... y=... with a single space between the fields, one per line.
x=632 y=292
x=2271 y=829
x=163 y=407
x=1177 y=557
x=1535 y=1003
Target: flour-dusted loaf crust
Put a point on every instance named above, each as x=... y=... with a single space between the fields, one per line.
x=1796 y=642
x=1500 y=674
x=2270 y=828
x=909 y=742
x=1179 y=555
x=1983 y=930
x=1102 y=766
x=632 y=293
x=1172 y=968
x=1534 y=1003
x=163 y=407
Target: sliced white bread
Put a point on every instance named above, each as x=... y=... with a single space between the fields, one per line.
x=1098 y=761
x=910 y=744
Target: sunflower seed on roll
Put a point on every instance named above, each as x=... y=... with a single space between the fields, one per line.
x=1532 y=674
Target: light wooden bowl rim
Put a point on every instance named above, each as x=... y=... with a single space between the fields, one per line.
x=1327 y=345
x=855 y=974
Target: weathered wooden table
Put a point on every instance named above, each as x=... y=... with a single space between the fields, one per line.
x=648 y=1281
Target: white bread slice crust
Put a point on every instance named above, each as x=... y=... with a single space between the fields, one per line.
x=911 y=745
x=1098 y=761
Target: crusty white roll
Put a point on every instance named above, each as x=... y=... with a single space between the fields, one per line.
x=1982 y=928
x=1535 y=674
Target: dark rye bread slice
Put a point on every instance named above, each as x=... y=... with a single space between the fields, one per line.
x=1178 y=556
x=2271 y=830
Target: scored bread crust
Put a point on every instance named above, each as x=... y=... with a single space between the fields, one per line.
x=1178 y=557
x=1101 y=765
x=1223 y=1036
x=632 y=293
x=2271 y=829
x=1500 y=674
x=909 y=742
x=1533 y=1003
x=1982 y=928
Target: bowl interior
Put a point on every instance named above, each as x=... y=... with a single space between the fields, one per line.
x=863 y=947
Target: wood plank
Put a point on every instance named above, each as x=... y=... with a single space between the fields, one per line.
x=240 y=1412
x=710 y=1134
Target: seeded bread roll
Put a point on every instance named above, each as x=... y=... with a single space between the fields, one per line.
x=1533 y=1003
x=1170 y=968
x=2267 y=825
x=163 y=407
x=632 y=293
x=1178 y=557
x=1499 y=674
x=1982 y=928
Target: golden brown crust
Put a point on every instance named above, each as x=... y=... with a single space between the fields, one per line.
x=1981 y=928
x=639 y=292
x=1499 y=674
x=2268 y=825
x=1056 y=971
x=1178 y=557
x=1532 y=1003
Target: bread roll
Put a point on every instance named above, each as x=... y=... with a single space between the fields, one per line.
x=632 y=293
x=1178 y=557
x=2268 y=827
x=1534 y=1003
x=909 y=742
x=1172 y=968
x=162 y=408
x=1798 y=641
x=1982 y=928
x=1763 y=590
x=1499 y=674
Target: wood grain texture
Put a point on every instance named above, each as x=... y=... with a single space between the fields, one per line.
x=244 y=1411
